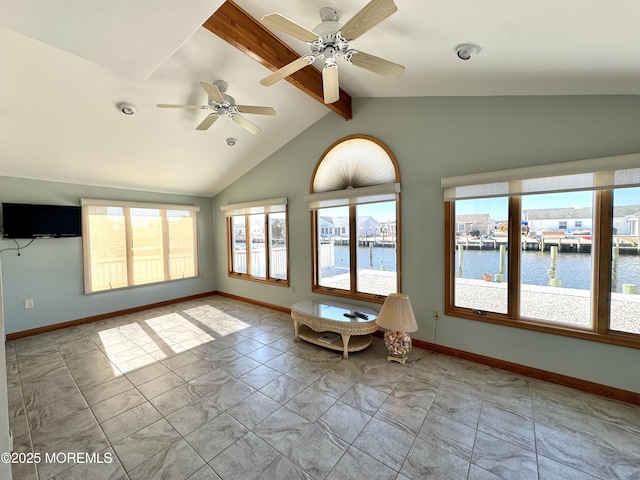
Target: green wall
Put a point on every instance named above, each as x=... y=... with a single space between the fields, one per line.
x=50 y=271
x=434 y=137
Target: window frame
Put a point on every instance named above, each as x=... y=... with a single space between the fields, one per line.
x=126 y=207
x=601 y=278
x=268 y=279
x=352 y=292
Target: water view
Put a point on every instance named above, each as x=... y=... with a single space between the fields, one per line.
x=573 y=269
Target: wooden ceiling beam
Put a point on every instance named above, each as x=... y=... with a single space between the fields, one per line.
x=238 y=28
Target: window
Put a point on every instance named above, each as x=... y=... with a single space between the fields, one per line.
x=527 y=270
x=356 y=190
x=127 y=244
x=258 y=241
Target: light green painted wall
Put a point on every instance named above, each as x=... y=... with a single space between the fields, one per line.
x=50 y=270
x=432 y=138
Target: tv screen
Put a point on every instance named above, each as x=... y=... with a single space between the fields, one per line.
x=21 y=220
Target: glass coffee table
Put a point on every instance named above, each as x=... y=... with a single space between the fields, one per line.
x=324 y=323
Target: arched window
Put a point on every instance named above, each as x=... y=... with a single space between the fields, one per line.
x=355 y=212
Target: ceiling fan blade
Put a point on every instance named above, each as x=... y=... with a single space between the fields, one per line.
x=371 y=15
x=376 y=64
x=290 y=27
x=213 y=92
x=164 y=105
x=243 y=122
x=207 y=122
x=256 y=110
x=330 y=85
x=287 y=70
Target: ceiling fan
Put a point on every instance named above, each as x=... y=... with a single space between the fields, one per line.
x=330 y=40
x=224 y=105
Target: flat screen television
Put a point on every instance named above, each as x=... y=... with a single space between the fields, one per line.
x=22 y=220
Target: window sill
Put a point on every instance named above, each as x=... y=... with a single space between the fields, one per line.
x=270 y=281
x=365 y=297
x=613 y=338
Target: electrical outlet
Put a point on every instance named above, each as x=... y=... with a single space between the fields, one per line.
x=436 y=314
x=293 y=289
x=28 y=303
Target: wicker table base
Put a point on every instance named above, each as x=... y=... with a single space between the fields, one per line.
x=313 y=318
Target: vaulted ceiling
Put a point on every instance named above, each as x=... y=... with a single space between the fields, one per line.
x=65 y=65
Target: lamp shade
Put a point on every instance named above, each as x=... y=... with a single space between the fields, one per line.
x=396 y=314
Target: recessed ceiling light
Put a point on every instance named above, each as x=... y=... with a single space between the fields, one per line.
x=466 y=50
x=126 y=108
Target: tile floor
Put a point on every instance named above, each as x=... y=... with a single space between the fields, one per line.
x=215 y=388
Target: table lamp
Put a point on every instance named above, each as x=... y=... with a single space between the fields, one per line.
x=397 y=318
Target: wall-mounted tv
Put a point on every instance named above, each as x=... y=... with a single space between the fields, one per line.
x=21 y=220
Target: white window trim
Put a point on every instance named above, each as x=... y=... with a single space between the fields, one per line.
x=354 y=196
x=592 y=174
x=272 y=205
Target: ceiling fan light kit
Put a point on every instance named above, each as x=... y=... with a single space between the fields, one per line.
x=224 y=105
x=466 y=50
x=330 y=40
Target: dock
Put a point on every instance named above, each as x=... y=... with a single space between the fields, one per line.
x=544 y=243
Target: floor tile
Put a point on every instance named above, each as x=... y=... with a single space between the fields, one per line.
x=427 y=460
x=246 y=459
x=570 y=448
x=177 y=462
x=450 y=435
x=129 y=422
x=172 y=400
x=504 y=459
x=364 y=398
x=117 y=404
x=357 y=464
x=386 y=443
x=316 y=451
x=282 y=428
x=310 y=404
x=186 y=419
x=213 y=437
x=253 y=409
x=283 y=468
x=144 y=444
x=344 y=421
x=207 y=380
x=509 y=426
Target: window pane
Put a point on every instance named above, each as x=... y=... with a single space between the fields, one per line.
x=480 y=260
x=107 y=240
x=239 y=244
x=277 y=246
x=333 y=248
x=376 y=261
x=256 y=241
x=625 y=265
x=182 y=245
x=556 y=264
x=147 y=245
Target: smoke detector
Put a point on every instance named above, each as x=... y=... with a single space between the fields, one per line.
x=465 y=51
x=126 y=108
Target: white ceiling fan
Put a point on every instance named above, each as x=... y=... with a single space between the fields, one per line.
x=330 y=40
x=224 y=105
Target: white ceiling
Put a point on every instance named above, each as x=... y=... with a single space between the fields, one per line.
x=63 y=69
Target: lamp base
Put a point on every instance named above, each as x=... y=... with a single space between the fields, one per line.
x=402 y=360
x=398 y=344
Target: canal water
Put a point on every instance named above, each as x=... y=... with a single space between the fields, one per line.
x=573 y=269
